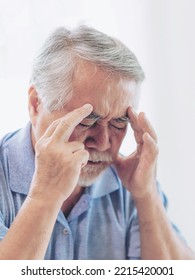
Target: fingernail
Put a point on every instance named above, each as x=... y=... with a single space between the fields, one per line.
x=88 y=106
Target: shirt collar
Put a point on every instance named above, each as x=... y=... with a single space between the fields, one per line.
x=21 y=167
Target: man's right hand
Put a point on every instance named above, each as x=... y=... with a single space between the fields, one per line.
x=58 y=163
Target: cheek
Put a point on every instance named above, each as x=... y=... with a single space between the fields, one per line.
x=116 y=140
x=115 y=147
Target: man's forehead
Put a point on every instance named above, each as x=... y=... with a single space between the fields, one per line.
x=110 y=96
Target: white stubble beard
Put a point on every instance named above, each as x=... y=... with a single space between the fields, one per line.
x=90 y=173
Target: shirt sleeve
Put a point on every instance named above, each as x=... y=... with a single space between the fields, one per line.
x=133 y=240
x=165 y=203
x=133 y=231
x=4 y=210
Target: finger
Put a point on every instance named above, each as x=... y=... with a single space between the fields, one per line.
x=146 y=126
x=135 y=125
x=150 y=149
x=134 y=121
x=63 y=127
x=81 y=158
x=74 y=146
x=51 y=128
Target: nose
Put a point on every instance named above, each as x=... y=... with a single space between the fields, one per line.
x=99 y=139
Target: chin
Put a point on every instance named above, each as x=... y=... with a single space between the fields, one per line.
x=90 y=174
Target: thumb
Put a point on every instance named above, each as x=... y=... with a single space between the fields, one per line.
x=81 y=158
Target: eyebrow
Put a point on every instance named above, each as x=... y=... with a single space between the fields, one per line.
x=122 y=119
x=94 y=116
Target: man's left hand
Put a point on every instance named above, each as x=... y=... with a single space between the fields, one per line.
x=138 y=171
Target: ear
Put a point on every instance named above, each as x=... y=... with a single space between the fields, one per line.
x=33 y=105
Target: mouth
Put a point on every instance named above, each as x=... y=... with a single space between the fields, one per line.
x=94 y=162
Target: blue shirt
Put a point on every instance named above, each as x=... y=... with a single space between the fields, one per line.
x=102 y=225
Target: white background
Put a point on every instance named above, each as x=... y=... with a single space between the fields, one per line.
x=161 y=33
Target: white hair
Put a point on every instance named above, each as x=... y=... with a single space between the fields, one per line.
x=54 y=67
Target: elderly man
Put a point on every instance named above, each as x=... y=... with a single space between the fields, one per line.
x=65 y=191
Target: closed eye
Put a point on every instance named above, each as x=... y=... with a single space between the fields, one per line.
x=90 y=120
x=119 y=128
x=86 y=125
x=120 y=123
x=114 y=126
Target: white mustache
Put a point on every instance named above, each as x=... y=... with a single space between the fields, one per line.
x=95 y=157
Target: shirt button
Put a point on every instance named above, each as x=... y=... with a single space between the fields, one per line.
x=65 y=231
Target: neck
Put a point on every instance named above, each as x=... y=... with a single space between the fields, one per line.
x=71 y=201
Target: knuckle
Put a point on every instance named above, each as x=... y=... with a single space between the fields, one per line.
x=45 y=147
x=39 y=145
x=74 y=146
x=65 y=123
x=55 y=123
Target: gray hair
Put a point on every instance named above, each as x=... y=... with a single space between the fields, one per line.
x=54 y=67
